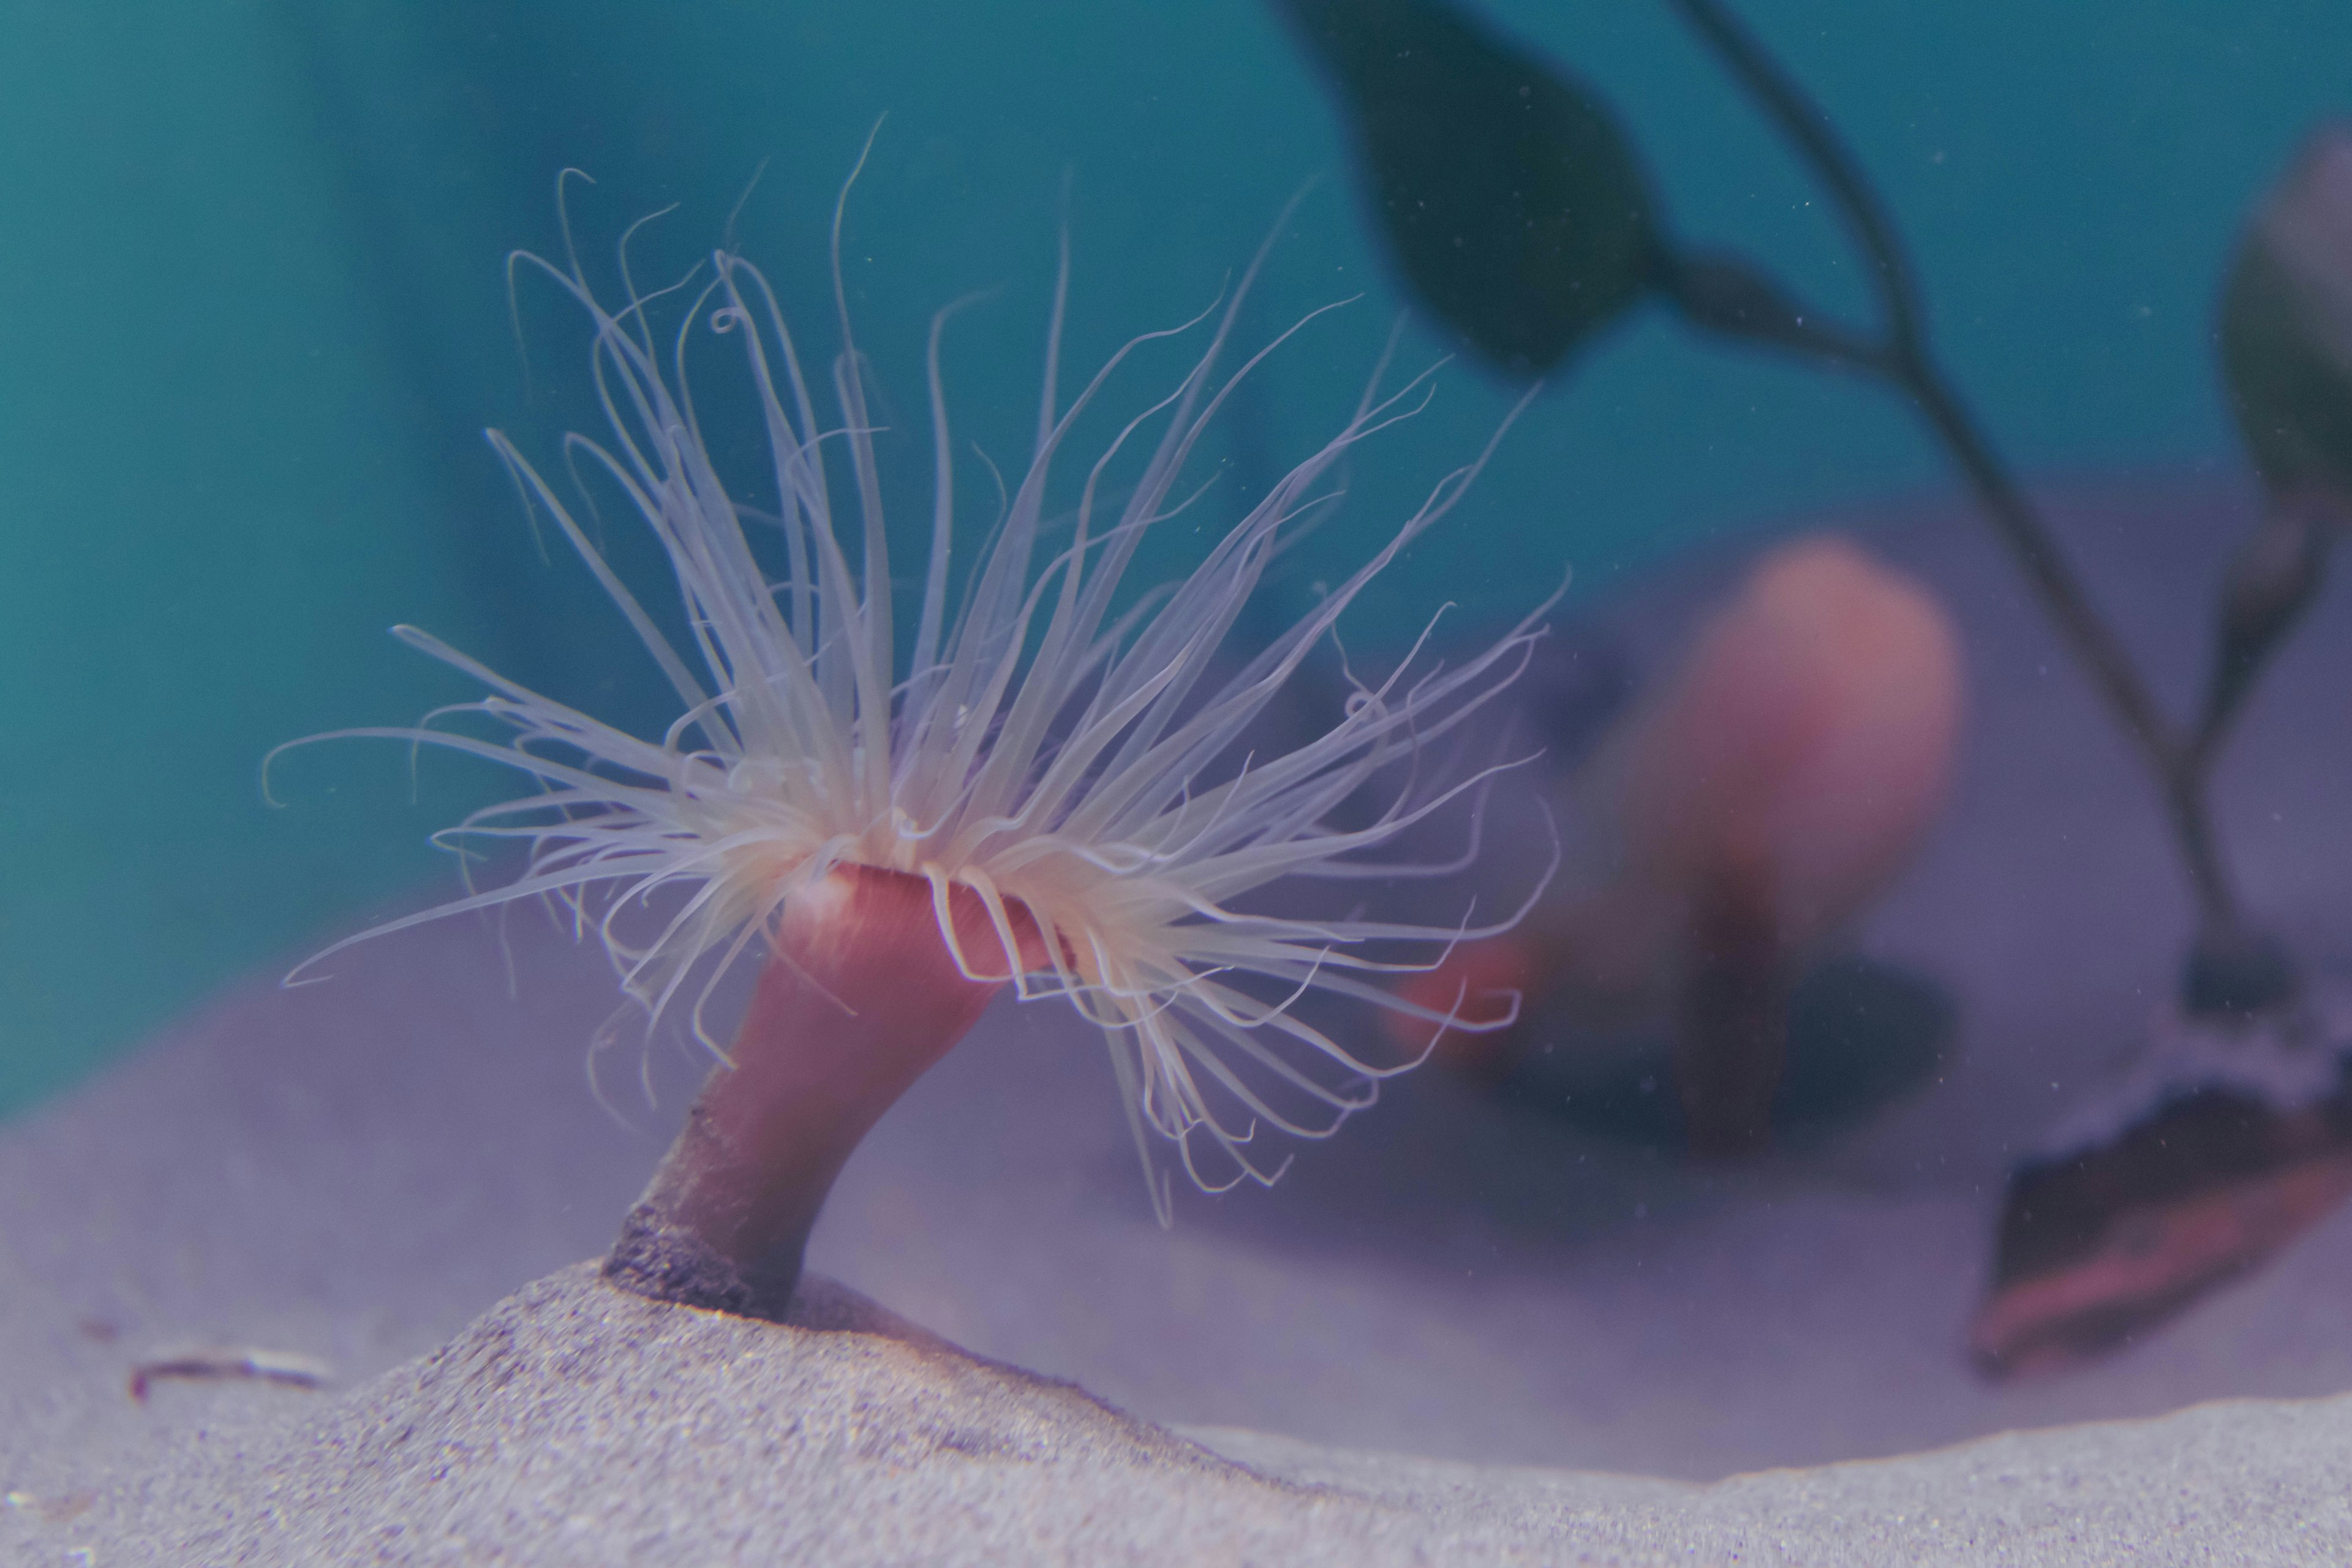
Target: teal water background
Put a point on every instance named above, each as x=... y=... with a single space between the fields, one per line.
x=253 y=320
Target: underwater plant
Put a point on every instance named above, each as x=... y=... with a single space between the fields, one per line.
x=1055 y=786
x=1558 y=236
x=1603 y=249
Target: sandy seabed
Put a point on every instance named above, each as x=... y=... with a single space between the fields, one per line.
x=363 y=1170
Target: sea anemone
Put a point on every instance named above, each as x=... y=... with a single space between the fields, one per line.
x=1046 y=786
x=1764 y=796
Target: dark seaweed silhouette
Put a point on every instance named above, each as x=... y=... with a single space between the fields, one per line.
x=1519 y=215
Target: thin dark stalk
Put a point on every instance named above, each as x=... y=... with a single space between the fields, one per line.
x=1805 y=124
x=2181 y=763
x=2021 y=527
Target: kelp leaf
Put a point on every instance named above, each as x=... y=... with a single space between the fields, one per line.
x=1513 y=202
x=2286 y=327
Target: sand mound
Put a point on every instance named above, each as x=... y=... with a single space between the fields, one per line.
x=577 y=1425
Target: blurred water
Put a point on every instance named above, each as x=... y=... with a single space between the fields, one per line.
x=255 y=320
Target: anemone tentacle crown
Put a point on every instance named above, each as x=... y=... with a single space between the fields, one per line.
x=1069 y=757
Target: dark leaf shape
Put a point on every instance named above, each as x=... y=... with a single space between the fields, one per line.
x=2286 y=327
x=1515 y=207
x=1720 y=292
x=2271 y=582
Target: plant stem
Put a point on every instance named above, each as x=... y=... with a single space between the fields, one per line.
x=1803 y=122
x=2180 y=764
x=2021 y=528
